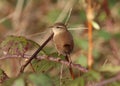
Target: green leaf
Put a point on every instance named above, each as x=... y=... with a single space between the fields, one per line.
x=82 y=43
x=103 y=34
x=102 y=16
x=82 y=60
x=82 y=16
x=92 y=75
x=115 y=83
x=7 y=23
x=9 y=82
x=77 y=82
x=48 y=50
x=43 y=65
x=96 y=53
x=110 y=68
x=40 y=80
x=119 y=12
x=17 y=45
x=19 y=82
x=117 y=35
x=95 y=25
x=112 y=2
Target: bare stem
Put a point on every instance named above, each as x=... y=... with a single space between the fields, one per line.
x=50 y=58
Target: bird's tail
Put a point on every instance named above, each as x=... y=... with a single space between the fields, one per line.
x=70 y=69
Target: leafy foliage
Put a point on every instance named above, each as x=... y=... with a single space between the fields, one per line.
x=40 y=80
x=35 y=15
x=17 y=45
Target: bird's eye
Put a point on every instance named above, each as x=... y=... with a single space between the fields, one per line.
x=58 y=27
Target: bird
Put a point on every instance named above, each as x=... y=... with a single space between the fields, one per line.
x=63 y=42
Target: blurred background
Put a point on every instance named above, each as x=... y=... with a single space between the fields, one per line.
x=28 y=21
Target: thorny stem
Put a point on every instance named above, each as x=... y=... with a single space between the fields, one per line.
x=50 y=58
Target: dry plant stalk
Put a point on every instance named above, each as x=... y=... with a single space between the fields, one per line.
x=90 y=17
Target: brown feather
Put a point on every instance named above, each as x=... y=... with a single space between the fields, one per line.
x=64 y=42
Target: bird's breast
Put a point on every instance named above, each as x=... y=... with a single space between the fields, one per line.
x=63 y=42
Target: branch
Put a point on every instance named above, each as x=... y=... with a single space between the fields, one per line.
x=35 y=54
x=6 y=17
x=50 y=58
x=90 y=17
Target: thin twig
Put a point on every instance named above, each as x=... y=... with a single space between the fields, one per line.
x=78 y=28
x=81 y=27
x=37 y=34
x=35 y=54
x=68 y=17
x=50 y=58
x=65 y=11
x=17 y=14
x=7 y=17
x=27 y=16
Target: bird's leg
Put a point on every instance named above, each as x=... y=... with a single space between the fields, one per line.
x=70 y=69
x=70 y=61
